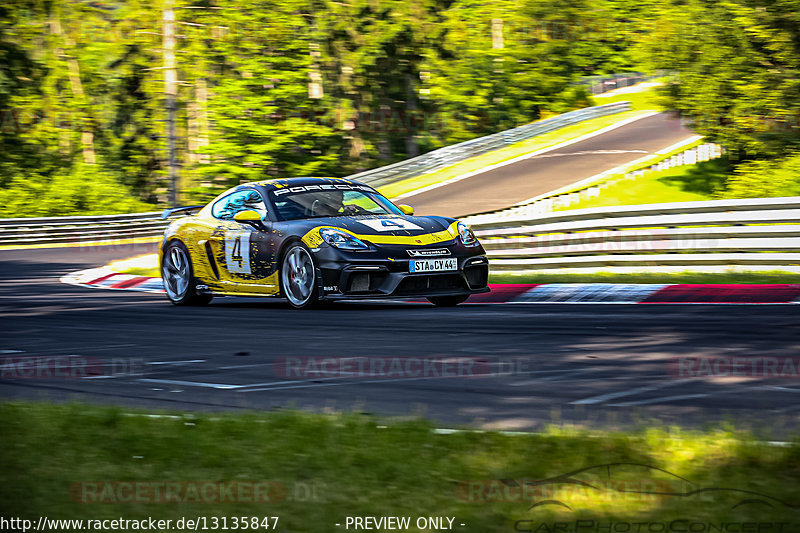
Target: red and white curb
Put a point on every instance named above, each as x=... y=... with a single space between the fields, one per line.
x=560 y=293
x=613 y=293
x=106 y=278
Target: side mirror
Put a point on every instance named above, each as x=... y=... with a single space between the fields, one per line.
x=247 y=216
x=406 y=209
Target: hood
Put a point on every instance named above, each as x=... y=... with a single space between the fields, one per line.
x=396 y=225
x=388 y=229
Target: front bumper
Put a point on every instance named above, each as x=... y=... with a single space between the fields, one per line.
x=383 y=272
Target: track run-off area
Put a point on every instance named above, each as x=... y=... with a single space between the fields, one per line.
x=527 y=365
x=489 y=366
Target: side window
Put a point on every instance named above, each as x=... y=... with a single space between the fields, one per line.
x=227 y=207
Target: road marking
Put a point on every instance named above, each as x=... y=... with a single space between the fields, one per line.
x=177 y=362
x=597 y=178
x=779 y=388
x=592 y=152
x=231 y=367
x=305 y=385
x=526 y=156
x=619 y=394
x=191 y=383
x=662 y=399
x=555 y=378
x=679 y=144
x=221 y=386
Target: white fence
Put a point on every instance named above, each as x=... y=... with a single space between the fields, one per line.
x=567 y=196
x=80 y=229
x=748 y=234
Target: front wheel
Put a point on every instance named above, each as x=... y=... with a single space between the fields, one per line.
x=176 y=271
x=298 y=277
x=447 y=301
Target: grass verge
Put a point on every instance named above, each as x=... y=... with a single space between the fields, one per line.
x=146 y=266
x=334 y=466
x=641 y=101
x=498 y=156
x=140 y=265
x=648 y=98
x=755 y=278
x=701 y=181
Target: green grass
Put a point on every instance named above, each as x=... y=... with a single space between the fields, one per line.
x=646 y=99
x=607 y=277
x=498 y=156
x=503 y=154
x=610 y=277
x=646 y=277
x=355 y=467
x=149 y=272
x=680 y=184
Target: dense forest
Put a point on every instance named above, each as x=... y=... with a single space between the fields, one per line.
x=266 y=88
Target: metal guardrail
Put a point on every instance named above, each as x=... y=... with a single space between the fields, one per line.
x=449 y=155
x=759 y=234
x=80 y=229
x=86 y=229
x=754 y=234
x=611 y=82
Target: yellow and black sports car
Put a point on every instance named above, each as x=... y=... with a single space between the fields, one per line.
x=314 y=239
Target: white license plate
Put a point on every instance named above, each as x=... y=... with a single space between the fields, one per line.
x=433 y=265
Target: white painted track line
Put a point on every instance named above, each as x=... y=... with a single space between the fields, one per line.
x=619 y=394
x=661 y=399
x=535 y=153
x=565 y=374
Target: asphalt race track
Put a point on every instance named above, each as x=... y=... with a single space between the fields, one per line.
x=546 y=172
x=603 y=365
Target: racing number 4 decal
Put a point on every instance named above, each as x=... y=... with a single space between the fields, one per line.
x=389 y=224
x=237 y=251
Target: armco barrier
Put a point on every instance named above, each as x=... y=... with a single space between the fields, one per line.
x=19 y=231
x=754 y=234
x=449 y=155
x=80 y=229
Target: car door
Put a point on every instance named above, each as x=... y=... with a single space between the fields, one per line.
x=244 y=252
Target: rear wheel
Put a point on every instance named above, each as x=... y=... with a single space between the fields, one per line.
x=447 y=301
x=176 y=271
x=298 y=277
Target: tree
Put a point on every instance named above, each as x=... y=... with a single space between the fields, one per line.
x=737 y=67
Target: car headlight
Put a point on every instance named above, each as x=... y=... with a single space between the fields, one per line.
x=342 y=240
x=467 y=237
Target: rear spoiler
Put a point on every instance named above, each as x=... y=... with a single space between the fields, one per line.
x=169 y=212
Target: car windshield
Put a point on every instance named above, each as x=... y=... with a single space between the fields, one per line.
x=294 y=204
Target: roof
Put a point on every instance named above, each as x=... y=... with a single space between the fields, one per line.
x=295 y=182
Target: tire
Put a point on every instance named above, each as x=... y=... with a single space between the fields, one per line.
x=298 y=277
x=178 y=276
x=448 y=301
